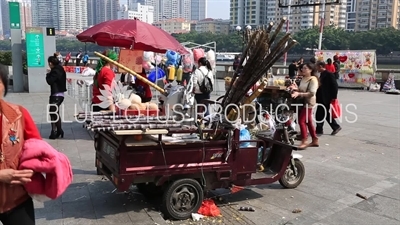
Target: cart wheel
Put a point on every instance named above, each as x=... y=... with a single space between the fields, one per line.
x=182 y=198
x=150 y=190
x=289 y=180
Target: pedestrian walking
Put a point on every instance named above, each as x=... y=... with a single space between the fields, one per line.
x=305 y=92
x=327 y=91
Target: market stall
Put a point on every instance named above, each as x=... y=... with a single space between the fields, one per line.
x=357 y=67
x=160 y=153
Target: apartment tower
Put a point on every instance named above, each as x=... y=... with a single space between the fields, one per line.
x=262 y=12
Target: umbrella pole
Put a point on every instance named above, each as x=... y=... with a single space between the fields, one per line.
x=138 y=76
x=155 y=81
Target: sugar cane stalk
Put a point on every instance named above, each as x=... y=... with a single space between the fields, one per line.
x=277 y=30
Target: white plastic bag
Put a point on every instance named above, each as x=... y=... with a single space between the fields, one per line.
x=148 y=56
x=374 y=87
x=210 y=56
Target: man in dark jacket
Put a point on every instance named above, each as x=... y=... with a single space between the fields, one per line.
x=327 y=91
x=292 y=69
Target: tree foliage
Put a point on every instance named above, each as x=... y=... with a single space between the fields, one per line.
x=6 y=59
x=384 y=40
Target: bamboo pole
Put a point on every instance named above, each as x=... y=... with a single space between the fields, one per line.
x=138 y=76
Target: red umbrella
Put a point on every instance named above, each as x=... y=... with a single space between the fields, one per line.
x=131 y=33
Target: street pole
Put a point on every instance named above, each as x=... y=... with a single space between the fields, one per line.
x=287 y=31
x=16 y=46
x=321 y=28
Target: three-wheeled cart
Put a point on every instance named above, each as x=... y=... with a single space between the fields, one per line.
x=183 y=168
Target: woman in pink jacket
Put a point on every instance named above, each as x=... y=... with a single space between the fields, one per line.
x=16 y=206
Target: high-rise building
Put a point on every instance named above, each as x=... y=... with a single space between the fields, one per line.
x=25 y=15
x=168 y=9
x=44 y=13
x=132 y=2
x=102 y=10
x=351 y=15
x=62 y=14
x=372 y=14
x=198 y=9
x=144 y=13
x=262 y=12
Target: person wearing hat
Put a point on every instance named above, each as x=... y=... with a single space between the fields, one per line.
x=104 y=76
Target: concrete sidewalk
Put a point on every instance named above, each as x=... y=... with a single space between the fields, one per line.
x=363 y=158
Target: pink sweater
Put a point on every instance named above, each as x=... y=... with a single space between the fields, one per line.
x=41 y=157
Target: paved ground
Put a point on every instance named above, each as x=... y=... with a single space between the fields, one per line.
x=363 y=158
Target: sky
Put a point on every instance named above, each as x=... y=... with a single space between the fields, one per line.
x=218 y=9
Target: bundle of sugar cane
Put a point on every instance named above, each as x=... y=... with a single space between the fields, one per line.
x=233 y=114
x=261 y=53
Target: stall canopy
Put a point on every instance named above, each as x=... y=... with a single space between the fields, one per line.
x=133 y=34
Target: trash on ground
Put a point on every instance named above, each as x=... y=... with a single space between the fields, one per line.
x=249 y=209
x=197 y=217
x=361 y=196
x=208 y=208
x=296 y=211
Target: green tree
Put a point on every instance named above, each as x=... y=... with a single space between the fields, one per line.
x=385 y=41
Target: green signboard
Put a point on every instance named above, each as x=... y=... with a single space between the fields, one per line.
x=15 y=17
x=35 y=47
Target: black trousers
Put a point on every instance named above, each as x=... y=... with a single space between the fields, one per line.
x=199 y=98
x=23 y=214
x=54 y=109
x=324 y=114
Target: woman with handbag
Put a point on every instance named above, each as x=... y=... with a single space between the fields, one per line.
x=305 y=93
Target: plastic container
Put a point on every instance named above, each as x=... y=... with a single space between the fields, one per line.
x=179 y=73
x=171 y=73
